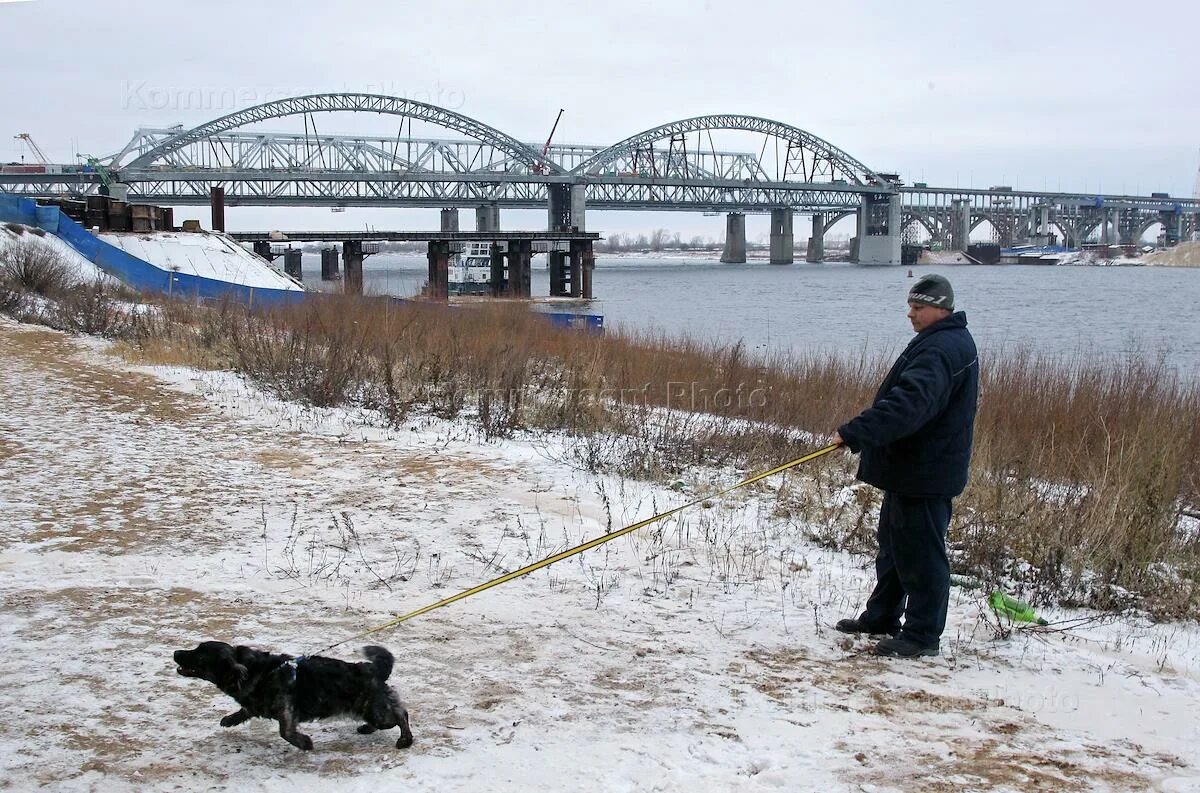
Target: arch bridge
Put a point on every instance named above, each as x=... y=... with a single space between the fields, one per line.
x=675 y=166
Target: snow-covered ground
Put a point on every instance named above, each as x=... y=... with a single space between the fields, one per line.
x=206 y=254
x=81 y=269
x=146 y=510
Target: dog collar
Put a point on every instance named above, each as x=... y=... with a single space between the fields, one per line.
x=292 y=664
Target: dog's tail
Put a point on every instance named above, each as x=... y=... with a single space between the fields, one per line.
x=381 y=659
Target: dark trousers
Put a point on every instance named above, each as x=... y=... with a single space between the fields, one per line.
x=912 y=570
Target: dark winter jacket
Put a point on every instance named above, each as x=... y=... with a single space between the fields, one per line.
x=916 y=438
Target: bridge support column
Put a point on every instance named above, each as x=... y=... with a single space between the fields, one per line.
x=292 y=263
x=735 y=239
x=329 y=264
x=1172 y=227
x=559 y=276
x=352 y=257
x=497 y=283
x=960 y=224
x=1039 y=225
x=487 y=217
x=520 y=254
x=566 y=207
x=782 y=240
x=438 y=256
x=583 y=261
x=1110 y=224
x=263 y=248
x=216 y=199
x=879 y=229
x=1127 y=230
x=449 y=219
x=816 y=241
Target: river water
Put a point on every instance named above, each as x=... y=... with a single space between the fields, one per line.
x=1099 y=312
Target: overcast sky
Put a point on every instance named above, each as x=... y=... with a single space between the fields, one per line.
x=1082 y=96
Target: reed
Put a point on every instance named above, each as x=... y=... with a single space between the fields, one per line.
x=1083 y=476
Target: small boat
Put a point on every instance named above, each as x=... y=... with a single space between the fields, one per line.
x=470 y=272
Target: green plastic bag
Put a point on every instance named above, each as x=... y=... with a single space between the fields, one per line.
x=1015 y=610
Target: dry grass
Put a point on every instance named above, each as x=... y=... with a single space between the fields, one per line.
x=1081 y=470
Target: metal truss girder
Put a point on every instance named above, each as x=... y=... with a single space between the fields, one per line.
x=849 y=167
x=332 y=103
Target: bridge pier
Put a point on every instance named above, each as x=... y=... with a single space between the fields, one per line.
x=559 y=275
x=1112 y=224
x=216 y=200
x=1172 y=222
x=879 y=229
x=449 y=219
x=816 y=241
x=520 y=276
x=292 y=264
x=960 y=224
x=263 y=248
x=496 y=282
x=583 y=261
x=782 y=240
x=735 y=239
x=487 y=217
x=352 y=257
x=1039 y=225
x=438 y=256
x=329 y=264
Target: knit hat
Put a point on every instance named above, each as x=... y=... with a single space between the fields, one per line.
x=932 y=290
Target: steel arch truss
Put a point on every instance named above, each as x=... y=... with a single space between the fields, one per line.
x=164 y=152
x=669 y=151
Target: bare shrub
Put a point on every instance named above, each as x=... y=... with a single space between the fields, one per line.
x=33 y=267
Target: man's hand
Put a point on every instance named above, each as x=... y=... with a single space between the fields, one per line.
x=837 y=440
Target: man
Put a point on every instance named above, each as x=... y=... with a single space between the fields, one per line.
x=915 y=442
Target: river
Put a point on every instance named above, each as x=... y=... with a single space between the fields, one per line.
x=1099 y=312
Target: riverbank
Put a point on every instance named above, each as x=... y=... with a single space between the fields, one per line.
x=151 y=507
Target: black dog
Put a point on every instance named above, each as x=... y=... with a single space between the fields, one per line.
x=293 y=690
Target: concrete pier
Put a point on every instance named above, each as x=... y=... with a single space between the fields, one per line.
x=735 y=239
x=559 y=275
x=960 y=224
x=782 y=241
x=438 y=256
x=520 y=276
x=879 y=229
x=487 y=217
x=352 y=256
x=292 y=264
x=449 y=219
x=496 y=281
x=583 y=261
x=216 y=199
x=329 y=264
x=263 y=249
x=816 y=242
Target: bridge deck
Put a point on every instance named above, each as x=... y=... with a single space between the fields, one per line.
x=412 y=236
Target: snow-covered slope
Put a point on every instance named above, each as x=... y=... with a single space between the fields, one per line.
x=15 y=234
x=204 y=254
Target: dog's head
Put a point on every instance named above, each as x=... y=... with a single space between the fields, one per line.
x=215 y=662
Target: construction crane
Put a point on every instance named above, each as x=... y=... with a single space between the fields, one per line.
x=33 y=147
x=540 y=167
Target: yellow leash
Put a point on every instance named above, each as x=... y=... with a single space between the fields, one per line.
x=558 y=557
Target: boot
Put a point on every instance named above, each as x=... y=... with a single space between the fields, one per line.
x=898 y=647
x=852 y=625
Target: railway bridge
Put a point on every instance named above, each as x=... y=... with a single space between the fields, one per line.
x=779 y=169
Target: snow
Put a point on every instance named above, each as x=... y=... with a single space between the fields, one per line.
x=205 y=254
x=148 y=509
x=82 y=270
